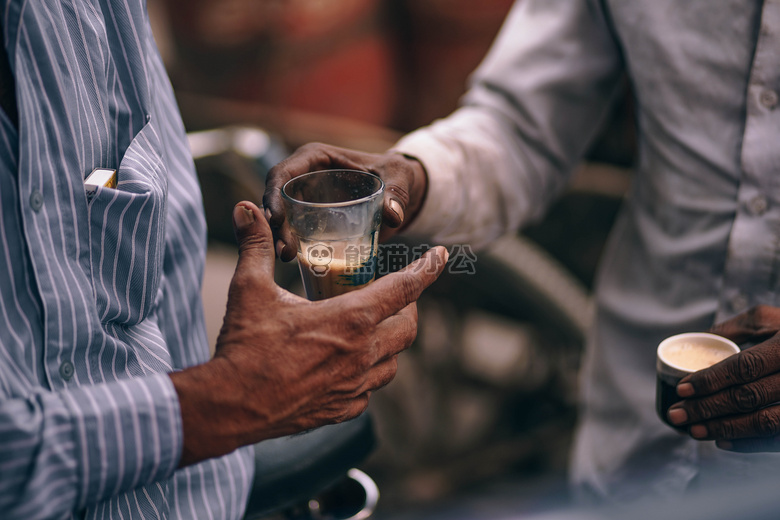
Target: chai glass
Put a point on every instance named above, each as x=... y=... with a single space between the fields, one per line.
x=335 y=216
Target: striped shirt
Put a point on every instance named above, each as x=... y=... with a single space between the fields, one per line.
x=99 y=295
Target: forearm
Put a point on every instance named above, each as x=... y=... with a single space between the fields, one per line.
x=215 y=420
x=533 y=107
x=479 y=183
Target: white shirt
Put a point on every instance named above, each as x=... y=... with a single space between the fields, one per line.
x=697 y=239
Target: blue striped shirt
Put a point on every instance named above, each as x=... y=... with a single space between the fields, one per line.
x=99 y=296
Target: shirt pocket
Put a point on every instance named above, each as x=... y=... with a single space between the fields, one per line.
x=127 y=233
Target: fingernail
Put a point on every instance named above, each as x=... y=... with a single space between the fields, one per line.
x=677 y=415
x=268 y=214
x=279 y=248
x=685 y=390
x=446 y=255
x=698 y=431
x=724 y=445
x=396 y=208
x=243 y=216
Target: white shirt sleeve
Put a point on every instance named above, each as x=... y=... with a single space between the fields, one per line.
x=534 y=105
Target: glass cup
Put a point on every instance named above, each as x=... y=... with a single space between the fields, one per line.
x=683 y=354
x=335 y=216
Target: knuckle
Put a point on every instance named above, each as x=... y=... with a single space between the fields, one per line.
x=310 y=147
x=768 y=422
x=359 y=322
x=254 y=241
x=364 y=362
x=702 y=409
x=750 y=364
x=407 y=288
x=747 y=398
x=722 y=430
x=397 y=175
x=759 y=313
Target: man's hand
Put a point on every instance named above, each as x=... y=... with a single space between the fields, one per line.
x=405 y=186
x=737 y=401
x=284 y=364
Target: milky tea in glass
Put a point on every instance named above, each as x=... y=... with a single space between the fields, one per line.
x=335 y=216
x=683 y=354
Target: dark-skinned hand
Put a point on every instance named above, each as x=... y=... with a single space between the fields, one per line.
x=737 y=401
x=405 y=187
x=284 y=364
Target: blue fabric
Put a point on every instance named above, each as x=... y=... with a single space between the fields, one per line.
x=100 y=295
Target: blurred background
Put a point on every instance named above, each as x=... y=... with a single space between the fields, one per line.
x=483 y=407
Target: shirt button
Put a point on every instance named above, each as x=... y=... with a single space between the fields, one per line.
x=739 y=303
x=758 y=205
x=36 y=200
x=768 y=99
x=66 y=370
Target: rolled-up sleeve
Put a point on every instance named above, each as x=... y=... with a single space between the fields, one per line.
x=534 y=105
x=81 y=446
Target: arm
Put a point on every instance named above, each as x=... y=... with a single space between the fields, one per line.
x=60 y=452
x=284 y=364
x=533 y=106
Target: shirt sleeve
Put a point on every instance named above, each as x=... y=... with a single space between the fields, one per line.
x=534 y=105
x=81 y=446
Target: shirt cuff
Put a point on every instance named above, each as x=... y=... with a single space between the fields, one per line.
x=128 y=433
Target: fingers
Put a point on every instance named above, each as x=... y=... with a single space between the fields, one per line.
x=398 y=176
x=305 y=159
x=396 y=333
x=308 y=158
x=764 y=423
x=404 y=177
x=741 y=399
x=381 y=375
x=406 y=183
x=255 y=241
x=393 y=292
x=745 y=367
x=286 y=243
x=760 y=321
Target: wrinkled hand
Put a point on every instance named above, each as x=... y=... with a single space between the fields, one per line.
x=284 y=364
x=737 y=401
x=405 y=187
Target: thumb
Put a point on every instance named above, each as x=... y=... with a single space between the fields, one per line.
x=255 y=240
x=393 y=292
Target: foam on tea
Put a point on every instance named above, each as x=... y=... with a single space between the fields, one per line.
x=695 y=356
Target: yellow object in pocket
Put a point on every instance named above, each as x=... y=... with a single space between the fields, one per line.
x=100 y=177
